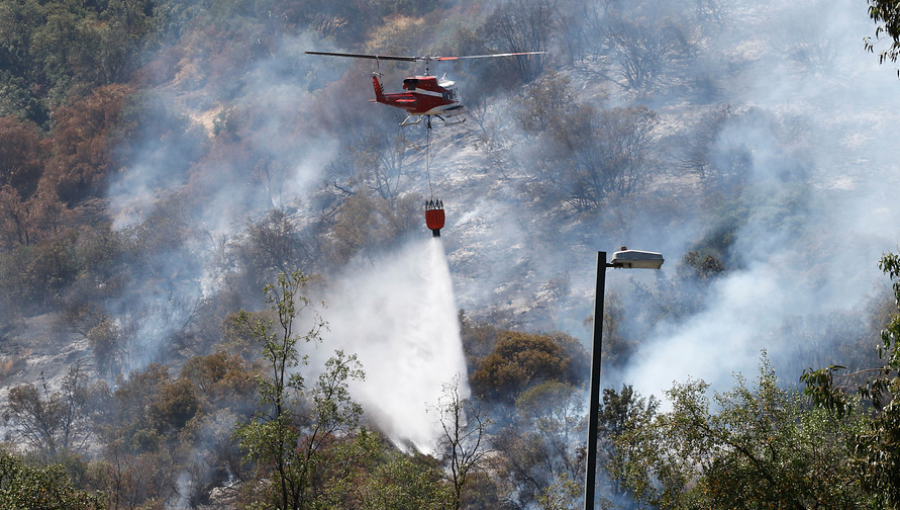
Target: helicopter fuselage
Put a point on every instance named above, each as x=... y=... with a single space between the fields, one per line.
x=424 y=95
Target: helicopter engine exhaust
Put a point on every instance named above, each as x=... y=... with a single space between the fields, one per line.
x=434 y=216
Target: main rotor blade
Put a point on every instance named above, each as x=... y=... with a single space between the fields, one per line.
x=359 y=55
x=416 y=59
x=495 y=55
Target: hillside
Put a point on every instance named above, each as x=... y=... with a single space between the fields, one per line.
x=163 y=161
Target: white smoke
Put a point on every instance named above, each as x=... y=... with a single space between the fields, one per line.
x=822 y=260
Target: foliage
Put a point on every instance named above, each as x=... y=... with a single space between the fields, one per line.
x=106 y=346
x=174 y=404
x=520 y=360
x=126 y=412
x=64 y=49
x=20 y=155
x=83 y=136
x=877 y=454
x=764 y=448
x=550 y=104
x=282 y=437
x=478 y=338
x=35 y=276
x=220 y=378
x=621 y=413
x=405 y=482
x=42 y=488
x=544 y=443
x=367 y=223
x=886 y=15
x=879 y=446
x=562 y=495
x=704 y=266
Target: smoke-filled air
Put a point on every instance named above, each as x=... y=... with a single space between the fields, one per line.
x=305 y=255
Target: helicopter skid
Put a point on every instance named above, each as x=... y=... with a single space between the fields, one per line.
x=453 y=120
x=411 y=119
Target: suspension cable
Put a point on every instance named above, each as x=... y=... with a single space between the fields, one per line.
x=428 y=157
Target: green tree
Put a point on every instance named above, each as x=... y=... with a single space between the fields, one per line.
x=886 y=15
x=42 y=488
x=406 y=482
x=879 y=445
x=297 y=423
x=765 y=448
x=563 y=495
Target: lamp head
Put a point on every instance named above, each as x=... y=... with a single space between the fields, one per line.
x=636 y=259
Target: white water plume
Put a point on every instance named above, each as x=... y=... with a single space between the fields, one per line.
x=399 y=316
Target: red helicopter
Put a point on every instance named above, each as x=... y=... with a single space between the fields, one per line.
x=425 y=96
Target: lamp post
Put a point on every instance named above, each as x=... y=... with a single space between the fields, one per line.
x=625 y=258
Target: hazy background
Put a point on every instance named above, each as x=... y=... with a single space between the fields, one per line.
x=806 y=150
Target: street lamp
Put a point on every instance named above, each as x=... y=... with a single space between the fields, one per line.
x=625 y=258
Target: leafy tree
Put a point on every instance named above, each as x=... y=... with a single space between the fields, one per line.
x=879 y=445
x=886 y=15
x=174 y=404
x=125 y=416
x=107 y=347
x=520 y=360
x=366 y=223
x=563 y=495
x=478 y=338
x=15 y=218
x=406 y=482
x=705 y=266
x=142 y=480
x=550 y=105
x=621 y=413
x=764 y=448
x=282 y=436
x=42 y=488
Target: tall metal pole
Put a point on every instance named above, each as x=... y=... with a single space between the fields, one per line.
x=590 y=477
